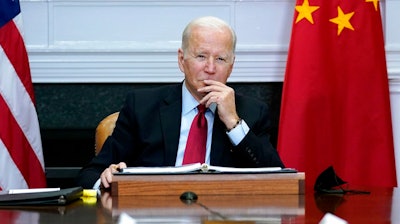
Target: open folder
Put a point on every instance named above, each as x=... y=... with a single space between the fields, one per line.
x=58 y=197
x=200 y=168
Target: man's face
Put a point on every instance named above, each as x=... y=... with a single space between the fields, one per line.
x=209 y=56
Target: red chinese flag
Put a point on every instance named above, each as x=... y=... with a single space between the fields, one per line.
x=335 y=104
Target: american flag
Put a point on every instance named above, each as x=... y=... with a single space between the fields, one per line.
x=21 y=156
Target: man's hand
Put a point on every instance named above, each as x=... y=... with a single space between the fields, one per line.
x=224 y=97
x=106 y=176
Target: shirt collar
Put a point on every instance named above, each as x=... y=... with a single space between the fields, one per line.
x=189 y=102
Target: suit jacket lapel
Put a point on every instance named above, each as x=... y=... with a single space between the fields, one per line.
x=219 y=142
x=170 y=114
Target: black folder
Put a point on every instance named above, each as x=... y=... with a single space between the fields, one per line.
x=60 y=197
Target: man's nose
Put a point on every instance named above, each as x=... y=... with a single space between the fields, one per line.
x=210 y=65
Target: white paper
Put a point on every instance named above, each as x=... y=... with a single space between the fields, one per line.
x=196 y=167
x=32 y=190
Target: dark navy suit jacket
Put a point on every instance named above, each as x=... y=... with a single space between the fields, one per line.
x=148 y=128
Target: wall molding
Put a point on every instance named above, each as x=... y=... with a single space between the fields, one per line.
x=81 y=41
x=144 y=67
x=99 y=41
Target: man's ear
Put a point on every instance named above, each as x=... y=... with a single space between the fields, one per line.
x=181 y=58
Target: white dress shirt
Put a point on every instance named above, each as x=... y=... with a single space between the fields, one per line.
x=189 y=111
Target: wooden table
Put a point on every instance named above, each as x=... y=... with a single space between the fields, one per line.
x=375 y=207
x=209 y=184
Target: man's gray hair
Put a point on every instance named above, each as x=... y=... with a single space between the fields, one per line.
x=208 y=21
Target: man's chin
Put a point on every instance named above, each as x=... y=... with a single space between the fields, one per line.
x=200 y=83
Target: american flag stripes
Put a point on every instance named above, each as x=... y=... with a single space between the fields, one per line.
x=21 y=156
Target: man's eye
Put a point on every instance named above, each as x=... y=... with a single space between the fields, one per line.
x=201 y=56
x=221 y=59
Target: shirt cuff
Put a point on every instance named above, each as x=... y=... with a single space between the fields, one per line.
x=96 y=185
x=237 y=134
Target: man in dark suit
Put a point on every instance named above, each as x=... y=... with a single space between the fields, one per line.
x=153 y=125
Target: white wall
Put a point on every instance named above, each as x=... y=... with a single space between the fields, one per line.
x=392 y=34
x=102 y=41
x=137 y=41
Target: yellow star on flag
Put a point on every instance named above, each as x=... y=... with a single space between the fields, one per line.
x=375 y=3
x=305 y=11
x=342 y=20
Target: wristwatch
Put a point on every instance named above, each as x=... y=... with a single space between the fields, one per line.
x=238 y=122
